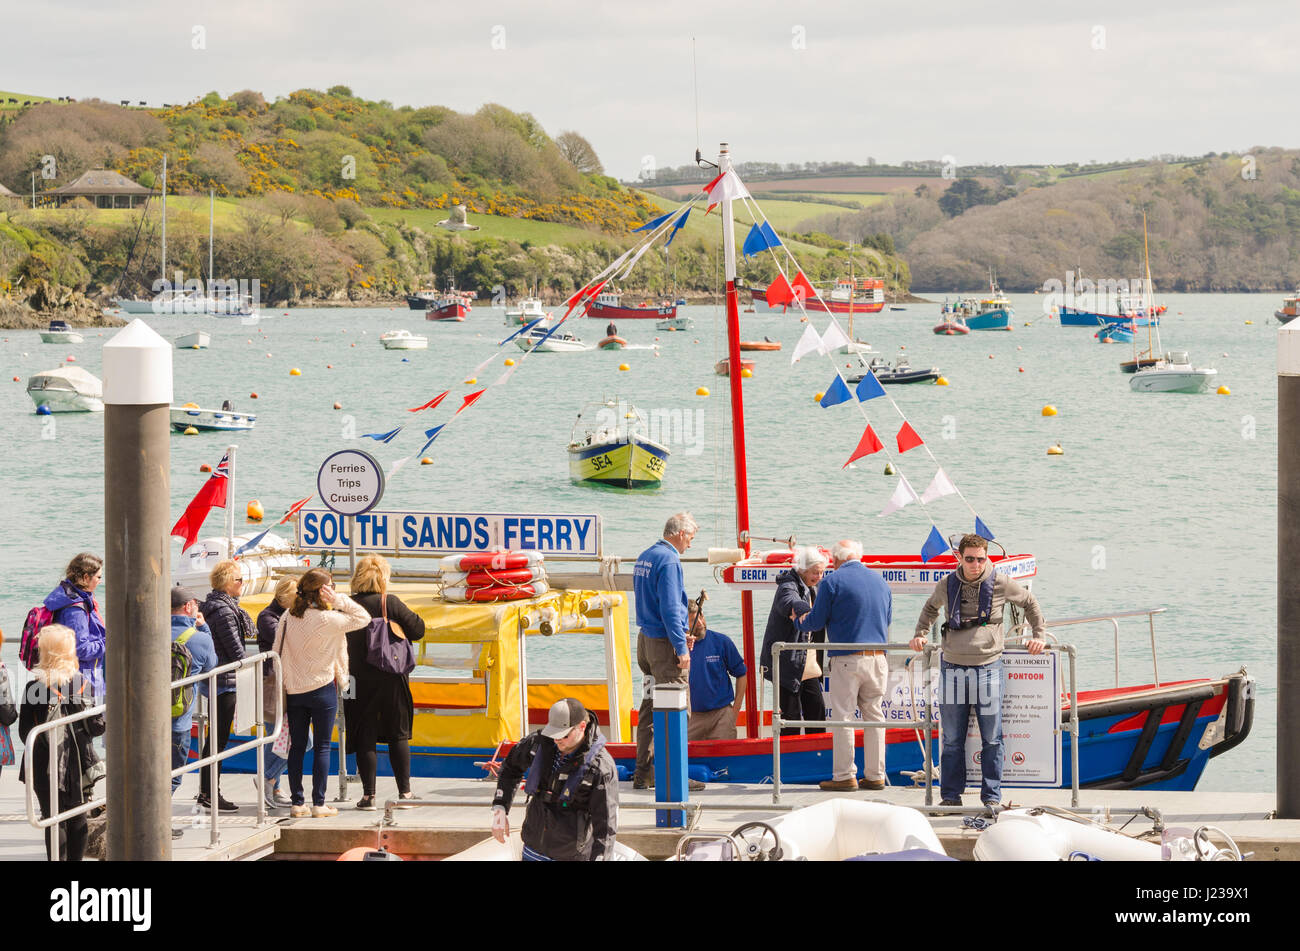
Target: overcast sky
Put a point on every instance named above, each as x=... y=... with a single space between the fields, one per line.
x=1021 y=81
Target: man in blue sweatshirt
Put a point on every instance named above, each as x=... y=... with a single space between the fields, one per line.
x=855 y=606
x=661 y=652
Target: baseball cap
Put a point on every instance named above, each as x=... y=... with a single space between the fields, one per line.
x=564 y=716
x=182 y=596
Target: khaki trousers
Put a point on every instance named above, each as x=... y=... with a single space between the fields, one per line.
x=858 y=681
x=719 y=724
x=658 y=661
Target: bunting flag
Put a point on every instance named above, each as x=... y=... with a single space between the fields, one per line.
x=869 y=388
x=295 y=509
x=468 y=400
x=397 y=464
x=982 y=530
x=903 y=495
x=505 y=376
x=760 y=238
x=802 y=289
x=940 y=486
x=808 y=343
x=726 y=186
x=653 y=223
x=251 y=543
x=769 y=235
x=934 y=546
x=432 y=434
x=836 y=393
x=779 y=293
x=211 y=495
x=833 y=338
x=681 y=223
x=383 y=437
x=868 y=444
x=522 y=330
x=432 y=403
x=907 y=438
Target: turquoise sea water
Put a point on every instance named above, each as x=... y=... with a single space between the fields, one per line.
x=1159 y=500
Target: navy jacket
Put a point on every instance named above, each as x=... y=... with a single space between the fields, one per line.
x=791 y=594
x=854 y=605
x=230 y=625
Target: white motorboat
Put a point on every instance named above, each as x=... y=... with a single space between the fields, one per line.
x=210 y=420
x=528 y=310
x=1027 y=835
x=403 y=340
x=258 y=565
x=198 y=340
x=60 y=332
x=675 y=323
x=559 y=342
x=67 y=390
x=1173 y=374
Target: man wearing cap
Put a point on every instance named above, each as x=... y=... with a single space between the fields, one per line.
x=188 y=628
x=855 y=606
x=572 y=789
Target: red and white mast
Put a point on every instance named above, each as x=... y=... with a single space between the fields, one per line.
x=738 y=441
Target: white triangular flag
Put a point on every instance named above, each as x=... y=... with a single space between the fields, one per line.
x=395 y=466
x=832 y=338
x=505 y=376
x=940 y=486
x=479 y=369
x=808 y=343
x=903 y=495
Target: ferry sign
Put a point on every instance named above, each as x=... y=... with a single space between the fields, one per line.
x=424 y=533
x=904 y=573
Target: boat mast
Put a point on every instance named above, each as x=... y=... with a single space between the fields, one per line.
x=738 y=442
x=852 y=286
x=212 y=210
x=1146 y=253
x=164 y=218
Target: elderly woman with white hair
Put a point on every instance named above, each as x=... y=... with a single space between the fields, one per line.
x=799 y=682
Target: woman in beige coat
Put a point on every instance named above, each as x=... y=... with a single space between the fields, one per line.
x=311 y=642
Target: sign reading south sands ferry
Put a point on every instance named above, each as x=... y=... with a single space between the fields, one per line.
x=904 y=573
x=429 y=533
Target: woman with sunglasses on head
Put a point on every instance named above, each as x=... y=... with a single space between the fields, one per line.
x=74 y=606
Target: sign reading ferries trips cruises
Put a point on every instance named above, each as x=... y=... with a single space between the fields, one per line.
x=428 y=533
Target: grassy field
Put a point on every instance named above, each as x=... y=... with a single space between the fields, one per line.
x=490 y=226
x=21 y=97
x=860 y=199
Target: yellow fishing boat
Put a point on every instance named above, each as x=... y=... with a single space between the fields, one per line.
x=614 y=448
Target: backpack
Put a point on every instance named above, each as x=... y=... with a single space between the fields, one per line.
x=182 y=667
x=38 y=617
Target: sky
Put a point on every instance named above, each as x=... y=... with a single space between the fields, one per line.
x=1019 y=82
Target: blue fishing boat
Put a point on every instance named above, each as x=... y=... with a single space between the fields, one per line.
x=1115 y=333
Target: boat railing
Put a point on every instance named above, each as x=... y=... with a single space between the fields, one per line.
x=1114 y=618
x=260 y=740
x=923 y=724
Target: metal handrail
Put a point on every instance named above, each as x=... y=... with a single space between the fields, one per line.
x=1113 y=617
x=259 y=743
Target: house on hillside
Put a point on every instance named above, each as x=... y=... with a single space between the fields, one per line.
x=103 y=187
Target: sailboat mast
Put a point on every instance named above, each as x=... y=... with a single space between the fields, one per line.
x=164 y=217
x=852 y=287
x=1146 y=254
x=738 y=442
x=212 y=210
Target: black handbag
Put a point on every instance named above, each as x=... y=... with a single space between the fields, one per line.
x=387 y=650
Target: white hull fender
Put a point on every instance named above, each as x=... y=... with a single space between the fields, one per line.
x=839 y=829
x=1021 y=836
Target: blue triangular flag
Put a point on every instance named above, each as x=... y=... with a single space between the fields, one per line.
x=772 y=240
x=681 y=222
x=754 y=241
x=653 y=223
x=249 y=545
x=432 y=434
x=934 y=546
x=982 y=530
x=837 y=392
x=869 y=388
x=382 y=437
x=522 y=330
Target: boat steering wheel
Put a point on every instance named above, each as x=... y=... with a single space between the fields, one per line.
x=759 y=842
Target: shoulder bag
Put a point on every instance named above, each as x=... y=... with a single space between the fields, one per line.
x=388 y=649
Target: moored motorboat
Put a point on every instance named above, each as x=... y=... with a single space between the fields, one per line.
x=545 y=341
x=609 y=306
x=723 y=366
x=767 y=343
x=198 y=340
x=900 y=372
x=1115 y=333
x=210 y=420
x=60 y=332
x=258 y=565
x=452 y=305
x=675 y=323
x=525 y=312
x=1290 y=308
x=67 y=390
x=611 y=447
x=1173 y=374
x=951 y=327
x=403 y=340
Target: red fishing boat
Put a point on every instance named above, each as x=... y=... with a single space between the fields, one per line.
x=608 y=306
x=847 y=296
x=452 y=305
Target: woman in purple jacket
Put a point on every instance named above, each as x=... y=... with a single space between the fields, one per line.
x=73 y=605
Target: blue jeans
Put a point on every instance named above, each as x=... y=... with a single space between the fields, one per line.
x=273 y=765
x=316 y=710
x=181 y=743
x=962 y=688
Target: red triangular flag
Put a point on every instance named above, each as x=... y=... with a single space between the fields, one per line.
x=295 y=509
x=211 y=495
x=709 y=187
x=868 y=444
x=468 y=400
x=432 y=403
x=779 y=292
x=907 y=438
x=801 y=288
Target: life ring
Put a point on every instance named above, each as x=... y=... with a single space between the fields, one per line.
x=485 y=577
x=497 y=592
x=496 y=560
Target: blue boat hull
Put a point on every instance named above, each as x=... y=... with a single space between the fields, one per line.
x=990 y=320
x=1074 y=317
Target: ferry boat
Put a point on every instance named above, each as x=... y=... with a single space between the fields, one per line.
x=67 y=390
x=608 y=306
x=60 y=332
x=1290 y=308
x=613 y=448
x=403 y=340
x=474 y=696
x=211 y=420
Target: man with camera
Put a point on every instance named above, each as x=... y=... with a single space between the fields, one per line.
x=974 y=597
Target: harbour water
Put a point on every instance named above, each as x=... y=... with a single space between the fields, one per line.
x=1159 y=500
